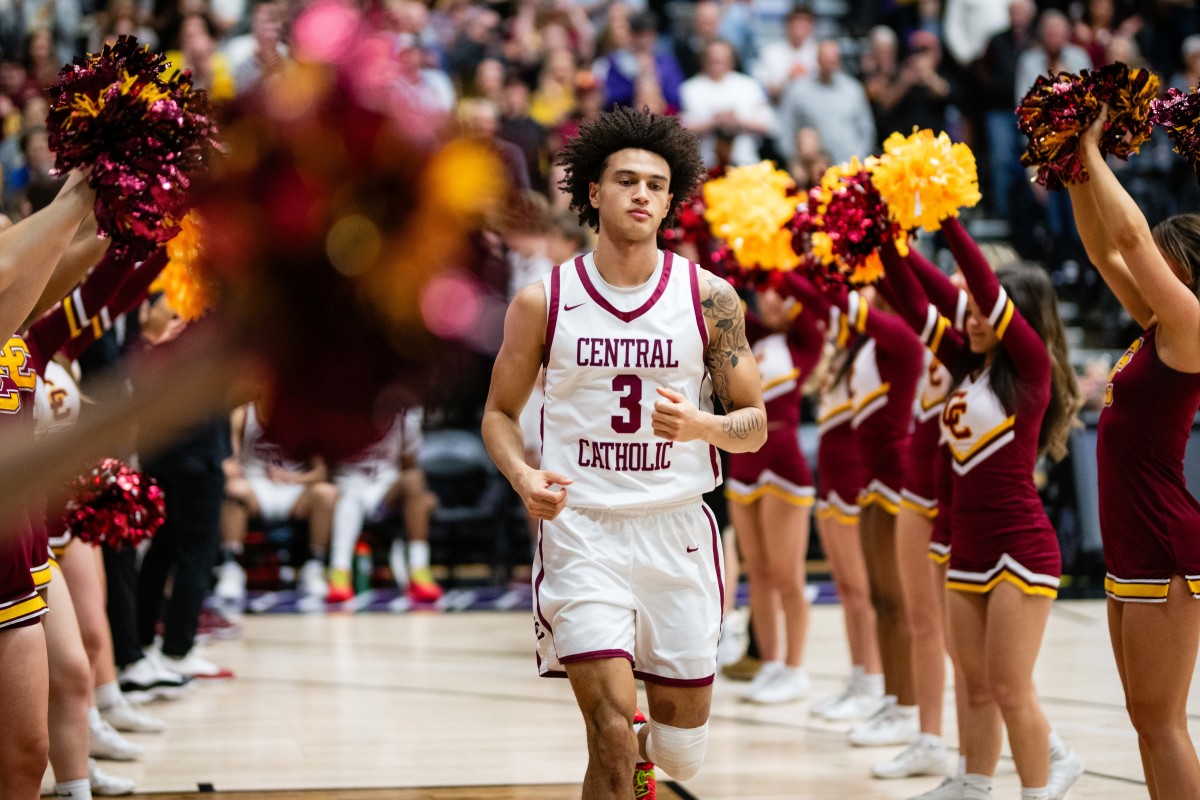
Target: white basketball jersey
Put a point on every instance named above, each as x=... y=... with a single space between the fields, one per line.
x=382 y=458
x=607 y=351
x=257 y=453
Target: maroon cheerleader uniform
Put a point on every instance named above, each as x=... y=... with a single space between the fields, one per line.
x=1149 y=521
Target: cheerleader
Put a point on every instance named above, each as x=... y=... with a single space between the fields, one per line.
x=883 y=383
x=1015 y=399
x=1149 y=521
x=30 y=254
x=771 y=496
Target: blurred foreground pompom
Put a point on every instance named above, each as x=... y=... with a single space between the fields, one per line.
x=1179 y=113
x=336 y=226
x=925 y=178
x=139 y=135
x=114 y=505
x=1056 y=110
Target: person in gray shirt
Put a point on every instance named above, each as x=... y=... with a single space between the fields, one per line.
x=831 y=102
x=1053 y=53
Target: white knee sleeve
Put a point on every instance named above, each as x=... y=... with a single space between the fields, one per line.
x=679 y=751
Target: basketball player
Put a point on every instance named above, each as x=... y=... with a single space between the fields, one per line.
x=634 y=342
x=385 y=475
x=771 y=495
x=1149 y=521
x=262 y=482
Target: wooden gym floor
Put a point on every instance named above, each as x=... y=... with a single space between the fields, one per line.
x=448 y=706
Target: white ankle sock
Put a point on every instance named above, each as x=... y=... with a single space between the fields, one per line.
x=930 y=739
x=872 y=684
x=108 y=695
x=74 y=790
x=908 y=712
x=962 y=766
x=1035 y=794
x=976 y=786
x=418 y=556
x=1057 y=747
x=857 y=671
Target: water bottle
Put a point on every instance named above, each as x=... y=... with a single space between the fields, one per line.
x=364 y=565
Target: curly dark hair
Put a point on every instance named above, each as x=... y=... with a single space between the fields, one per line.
x=586 y=155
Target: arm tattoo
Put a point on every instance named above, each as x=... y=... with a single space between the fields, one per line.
x=742 y=423
x=728 y=343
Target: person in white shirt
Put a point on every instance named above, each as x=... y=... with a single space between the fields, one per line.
x=1053 y=53
x=789 y=59
x=721 y=100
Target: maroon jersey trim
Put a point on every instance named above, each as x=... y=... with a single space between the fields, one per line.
x=551 y=316
x=685 y=683
x=595 y=655
x=625 y=316
x=716 y=544
x=695 y=279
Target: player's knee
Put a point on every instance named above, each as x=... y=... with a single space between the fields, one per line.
x=324 y=495
x=610 y=732
x=679 y=751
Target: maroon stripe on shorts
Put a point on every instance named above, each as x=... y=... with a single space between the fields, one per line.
x=595 y=655
x=626 y=316
x=537 y=584
x=679 y=682
x=716 y=538
x=551 y=315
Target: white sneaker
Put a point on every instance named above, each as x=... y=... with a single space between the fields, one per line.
x=789 y=685
x=1065 y=768
x=312 y=580
x=766 y=674
x=231 y=584
x=146 y=679
x=106 y=785
x=105 y=742
x=892 y=725
x=950 y=789
x=925 y=756
x=193 y=665
x=124 y=717
x=398 y=562
x=858 y=705
x=824 y=704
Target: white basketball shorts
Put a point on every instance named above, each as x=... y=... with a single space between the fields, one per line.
x=275 y=500
x=644 y=584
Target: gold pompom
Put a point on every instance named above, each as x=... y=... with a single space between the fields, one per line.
x=925 y=178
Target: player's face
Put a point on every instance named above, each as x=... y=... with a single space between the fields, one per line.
x=633 y=194
x=979 y=331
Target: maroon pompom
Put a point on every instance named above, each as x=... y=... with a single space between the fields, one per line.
x=114 y=505
x=1179 y=113
x=140 y=136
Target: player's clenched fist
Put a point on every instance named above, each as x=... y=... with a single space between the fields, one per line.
x=540 y=500
x=676 y=418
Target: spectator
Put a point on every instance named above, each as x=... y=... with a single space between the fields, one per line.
x=554 y=99
x=704 y=28
x=15 y=84
x=520 y=129
x=1098 y=28
x=36 y=163
x=639 y=57
x=422 y=87
x=1189 y=78
x=968 y=26
x=121 y=18
x=488 y=82
x=790 y=59
x=880 y=71
x=920 y=93
x=833 y=103
x=12 y=156
x=810 y=161
x=41 y=58
x=720 y=99
x=996 y=75
x=590 y=102
x=478 y=39
x=1053 y=52
x=480 y=119
x=198 y=52
x=260 y=52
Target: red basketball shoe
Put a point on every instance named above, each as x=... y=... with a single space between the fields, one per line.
x=645 y=787
x=422 y=588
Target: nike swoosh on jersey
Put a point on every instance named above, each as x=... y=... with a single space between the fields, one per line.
x=572 y=308
x=692 y=549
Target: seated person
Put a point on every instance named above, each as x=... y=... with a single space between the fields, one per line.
x=383 y=478
x=261 y=482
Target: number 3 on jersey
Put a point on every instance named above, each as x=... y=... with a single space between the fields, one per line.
x=631 y=402
x=14 y=364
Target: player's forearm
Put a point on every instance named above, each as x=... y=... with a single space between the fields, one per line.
x=505 y=444
x=740 y=431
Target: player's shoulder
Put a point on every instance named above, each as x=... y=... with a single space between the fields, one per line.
x=530 y=300
x=717 y=295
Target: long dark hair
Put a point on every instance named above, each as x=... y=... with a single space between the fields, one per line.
x=1031 y=291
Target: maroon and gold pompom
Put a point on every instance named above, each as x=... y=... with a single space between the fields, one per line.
x=1179 y=113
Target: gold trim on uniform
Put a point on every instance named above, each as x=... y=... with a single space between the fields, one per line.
x=31 y=605
x=782 y=379
x=41 y=575
x=939 y=553
x=769 y=484
x=1006 y=569
x=1145 y=590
